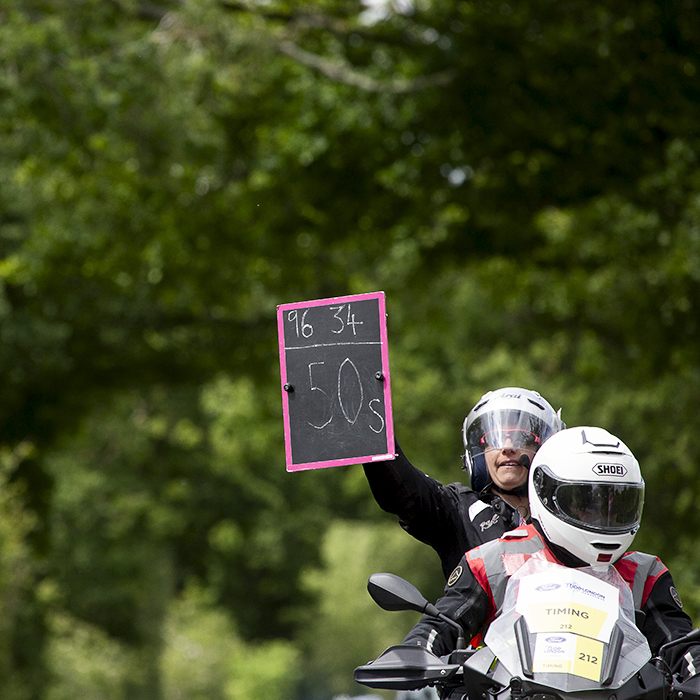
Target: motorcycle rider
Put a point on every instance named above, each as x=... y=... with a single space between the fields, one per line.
x=501 y=435
x=586 y=496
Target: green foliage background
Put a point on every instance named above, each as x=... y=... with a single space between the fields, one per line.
x=521 y=179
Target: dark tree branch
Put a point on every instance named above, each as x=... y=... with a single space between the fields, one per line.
x=337 y=71
x=346 y=74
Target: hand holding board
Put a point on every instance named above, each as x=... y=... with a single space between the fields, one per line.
x=336 y=395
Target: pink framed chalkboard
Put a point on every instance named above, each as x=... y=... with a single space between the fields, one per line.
x=336 y=392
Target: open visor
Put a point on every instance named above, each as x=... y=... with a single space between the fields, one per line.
x=517 y=430
x=605 y=508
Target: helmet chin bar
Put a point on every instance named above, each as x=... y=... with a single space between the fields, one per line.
x=604 y=561
x=606 y=555
x=594 y=553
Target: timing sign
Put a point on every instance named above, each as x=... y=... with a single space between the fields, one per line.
x=336 y=396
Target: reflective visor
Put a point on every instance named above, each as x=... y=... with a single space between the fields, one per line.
x=497 y=430
x=516 y=438
x=607 y=508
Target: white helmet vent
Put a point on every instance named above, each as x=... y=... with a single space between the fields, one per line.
x=615 y=446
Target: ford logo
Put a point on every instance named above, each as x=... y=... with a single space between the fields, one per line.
x=555 y=640
x=548 y=587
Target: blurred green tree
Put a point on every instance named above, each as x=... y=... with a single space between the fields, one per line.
x=520 y=179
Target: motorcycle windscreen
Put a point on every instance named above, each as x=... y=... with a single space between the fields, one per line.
x=570 y=629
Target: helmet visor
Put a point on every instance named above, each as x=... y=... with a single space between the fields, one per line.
x=499 y=430
x=606 y=508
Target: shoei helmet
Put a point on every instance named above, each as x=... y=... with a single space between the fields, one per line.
x=511 y=415
x=586 y=491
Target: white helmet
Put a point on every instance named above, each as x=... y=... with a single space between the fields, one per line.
x=586 y=491
x=520 y=415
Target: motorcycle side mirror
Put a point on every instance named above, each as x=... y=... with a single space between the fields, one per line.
x=390 y=592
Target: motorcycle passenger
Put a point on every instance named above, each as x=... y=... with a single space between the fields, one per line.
x=586 y=496
x=501 y=434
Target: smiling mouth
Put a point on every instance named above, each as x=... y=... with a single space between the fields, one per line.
x=509 y=464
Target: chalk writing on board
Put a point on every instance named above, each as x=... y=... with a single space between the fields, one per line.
x=382 y=422
x=349 y=387
x=335 y=374
x=326 y=382
x=306 y=330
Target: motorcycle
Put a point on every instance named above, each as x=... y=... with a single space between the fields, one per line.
x=562 y=634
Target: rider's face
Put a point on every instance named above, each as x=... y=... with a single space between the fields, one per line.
x=505 y=468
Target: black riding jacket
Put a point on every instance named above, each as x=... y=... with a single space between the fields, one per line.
x=451 y=518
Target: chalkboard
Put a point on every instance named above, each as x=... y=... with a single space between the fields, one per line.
x=336 y=394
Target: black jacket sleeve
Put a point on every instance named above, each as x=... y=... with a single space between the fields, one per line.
x=664 y=622
x=416 y=498
x=436 y=514
x=464 y=601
